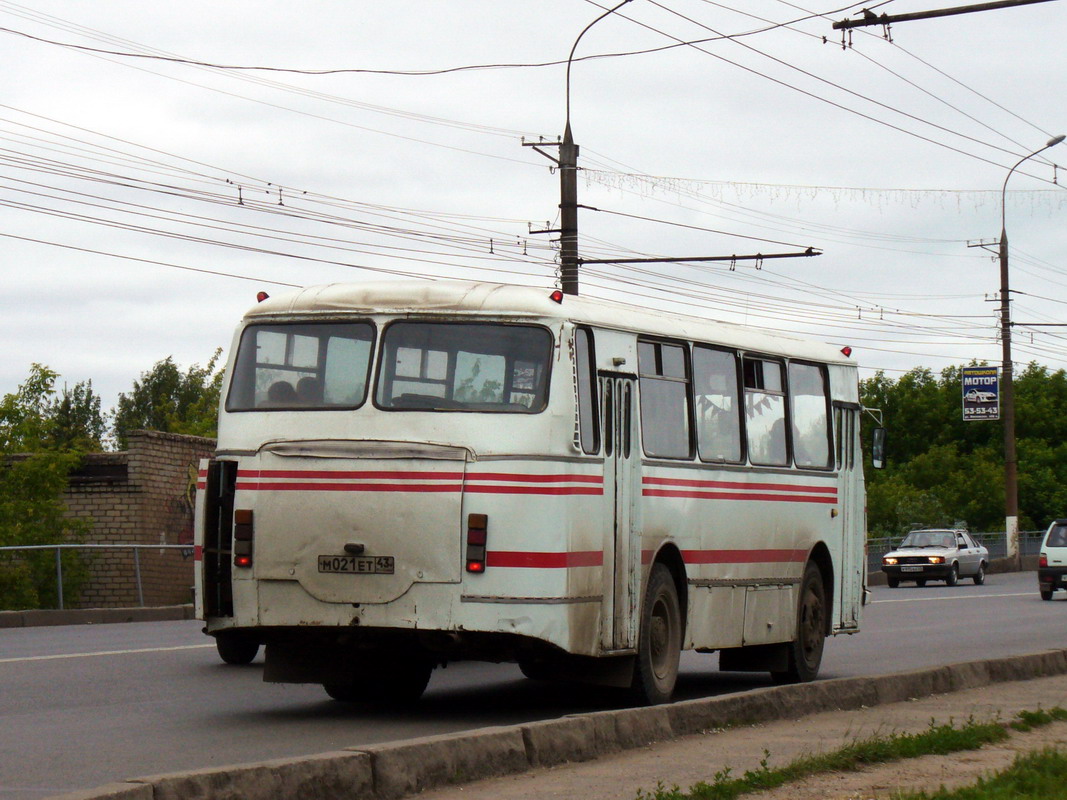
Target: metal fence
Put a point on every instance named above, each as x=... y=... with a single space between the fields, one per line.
x=996 y=542
x=1029 y=544
x=59 y=548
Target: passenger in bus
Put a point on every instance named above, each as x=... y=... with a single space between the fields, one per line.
x=281 y=393
x=309 y=391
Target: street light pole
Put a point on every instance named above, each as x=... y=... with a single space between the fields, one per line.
x=568 y=183
x=1007 y=389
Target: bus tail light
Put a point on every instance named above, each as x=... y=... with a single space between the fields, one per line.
x=477 y=536
x=242 y=537
x=1042 y=560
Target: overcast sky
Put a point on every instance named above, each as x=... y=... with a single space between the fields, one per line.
x=144 y=202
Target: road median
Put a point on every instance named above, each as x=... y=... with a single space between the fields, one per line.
x=399 y=769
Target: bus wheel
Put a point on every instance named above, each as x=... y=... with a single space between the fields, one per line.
x=805 y=651
x=393 y=685
x=659 y=644
x=404 y=683
x=235 y=648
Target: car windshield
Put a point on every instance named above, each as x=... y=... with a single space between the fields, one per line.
x=929 y=539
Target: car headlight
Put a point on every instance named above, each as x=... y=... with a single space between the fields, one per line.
x=937 y=559
x=889 y=561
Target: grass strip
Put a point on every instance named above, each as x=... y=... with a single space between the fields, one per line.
x=936 y=740
x=1040 y=775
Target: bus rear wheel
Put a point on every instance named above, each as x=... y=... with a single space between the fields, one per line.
x=659 y=644
x=394 y=685
x=236 y=648
x=805 y=651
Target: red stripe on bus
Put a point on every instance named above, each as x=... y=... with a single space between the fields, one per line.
x=311 y=486
x=743 y=556
x=791 y=487
x=711 y=495
x=348 y=474
x=514 y=558
x=587 y=490
x=523 y=477
x=348 y=487
x=516 y=477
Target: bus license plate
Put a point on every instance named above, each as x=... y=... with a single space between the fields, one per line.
x=357 y=565
x=911 y=569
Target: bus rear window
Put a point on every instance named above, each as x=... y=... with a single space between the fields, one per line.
x=301 y=366
x=446 y=366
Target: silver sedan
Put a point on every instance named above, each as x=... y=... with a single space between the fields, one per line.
x=940 y=555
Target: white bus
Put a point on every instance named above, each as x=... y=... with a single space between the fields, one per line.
x=413 y=473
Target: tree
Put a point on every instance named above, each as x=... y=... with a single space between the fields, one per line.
x=942 y=469
x=167 y=399
x=33 y=476
x=76 y=420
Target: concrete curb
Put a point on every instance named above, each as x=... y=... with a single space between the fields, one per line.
x=398 y=769
x=93 y=616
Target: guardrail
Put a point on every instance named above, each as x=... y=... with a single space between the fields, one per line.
x=1029 y=544
x=995 y=541
x=59 y=548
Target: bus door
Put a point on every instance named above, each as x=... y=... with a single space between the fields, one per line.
x=850 y=510
x=622 y=487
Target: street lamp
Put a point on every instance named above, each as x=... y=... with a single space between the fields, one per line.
x=1007 y=391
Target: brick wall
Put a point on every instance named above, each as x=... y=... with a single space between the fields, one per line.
x=141 y=496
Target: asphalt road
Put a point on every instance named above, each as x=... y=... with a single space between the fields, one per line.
x=82 y=706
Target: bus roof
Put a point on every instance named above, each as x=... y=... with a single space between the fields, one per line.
x=496 y=300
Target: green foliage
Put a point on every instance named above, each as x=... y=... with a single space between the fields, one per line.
x=76 y=419
x=936 y=740
x=167 y=399
x=36 y=456
x=943 y=470
x=1041 y=775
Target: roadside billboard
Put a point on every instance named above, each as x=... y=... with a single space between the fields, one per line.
x=981 y=393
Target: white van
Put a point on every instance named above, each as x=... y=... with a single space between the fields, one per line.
x=1052 y=564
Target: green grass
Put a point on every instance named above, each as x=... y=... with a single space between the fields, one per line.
x=936 y=740
x=1040 y=775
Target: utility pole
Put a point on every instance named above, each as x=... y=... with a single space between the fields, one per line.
x=568 y=213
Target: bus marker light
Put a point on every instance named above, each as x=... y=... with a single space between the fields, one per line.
x=477 y=536
x=556 y=297
x=261 y=296
x=242 y=537
x=242 y=524
x=846 y=351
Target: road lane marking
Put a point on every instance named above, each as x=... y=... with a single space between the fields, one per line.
x=954 y=597
x=105 y=653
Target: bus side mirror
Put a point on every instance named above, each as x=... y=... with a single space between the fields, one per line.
x=878 y=448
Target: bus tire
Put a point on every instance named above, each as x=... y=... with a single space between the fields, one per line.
x=404 y=683
x=805 y=651
x=659 y=643
x=236 y=648
x=395 y=685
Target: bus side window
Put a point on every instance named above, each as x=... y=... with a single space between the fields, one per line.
x=584 y=363
x=811 y=422
x=765 y=412
x=664 y=400
x=718 y=411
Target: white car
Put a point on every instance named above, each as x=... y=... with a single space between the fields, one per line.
x=940 y=555
x=979 y=396
x=1052 y=563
